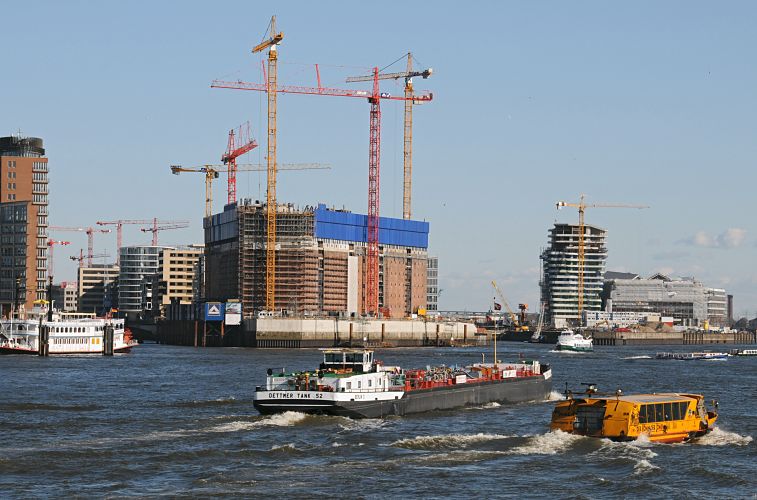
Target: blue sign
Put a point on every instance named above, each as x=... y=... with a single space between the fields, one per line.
x=214 y=311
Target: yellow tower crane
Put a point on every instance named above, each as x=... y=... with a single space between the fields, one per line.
x=212 y=171
x=581 y=206
x=408 y=75
x=270 y=277
x=516 y=323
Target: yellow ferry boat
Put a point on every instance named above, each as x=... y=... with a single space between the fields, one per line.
x=664 y=418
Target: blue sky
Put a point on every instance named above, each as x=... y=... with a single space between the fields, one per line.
x=534 y=102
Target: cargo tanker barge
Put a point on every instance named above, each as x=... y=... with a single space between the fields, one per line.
x=351 y=383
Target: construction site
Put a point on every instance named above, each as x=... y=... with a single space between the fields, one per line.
x=283 y=264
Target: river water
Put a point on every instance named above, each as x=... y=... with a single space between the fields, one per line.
x=179 y=421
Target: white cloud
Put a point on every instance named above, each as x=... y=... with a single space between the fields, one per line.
x=730 y=238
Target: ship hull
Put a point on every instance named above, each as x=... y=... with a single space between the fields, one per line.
x=400 y=403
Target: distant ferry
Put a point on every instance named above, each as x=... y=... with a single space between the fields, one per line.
x=692 y=356
x=574 y=341
x=664 y=417
x=70 y=333
x=351 y=383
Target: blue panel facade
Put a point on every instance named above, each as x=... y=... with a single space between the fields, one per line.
x=330 y=224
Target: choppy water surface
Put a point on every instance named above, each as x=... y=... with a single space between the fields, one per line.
x=179 y=421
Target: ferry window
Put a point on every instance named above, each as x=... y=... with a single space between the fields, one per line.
x=643 y=414
x=668 y=412
x=676 y=411
x=349 y=386
x=370 y=382
x=359 y=384
x=659 y=413
x=684 y=407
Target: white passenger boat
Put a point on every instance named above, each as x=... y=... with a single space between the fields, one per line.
x=70 y=333
x=574 y=341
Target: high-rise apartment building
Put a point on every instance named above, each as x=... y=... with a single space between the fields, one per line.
x=138 y=265
x=559 y=284
x=23 y=221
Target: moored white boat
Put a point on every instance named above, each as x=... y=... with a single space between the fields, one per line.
x=70 y=333
x=574 y=341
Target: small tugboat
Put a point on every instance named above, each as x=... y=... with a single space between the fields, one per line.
x=574 y=341
x=351 y=383
x=664 y=418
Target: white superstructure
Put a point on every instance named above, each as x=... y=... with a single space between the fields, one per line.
x=75 y=333
x=573 y=341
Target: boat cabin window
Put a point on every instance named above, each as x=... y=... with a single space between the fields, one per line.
x=662 y=412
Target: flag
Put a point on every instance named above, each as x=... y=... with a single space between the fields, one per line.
x=497 y=307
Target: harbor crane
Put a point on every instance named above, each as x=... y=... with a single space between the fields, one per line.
x=374 y=98
x=119 y=229
x=516 y=323
x=90 y=232
x=51 y=244
x=581 y=206
x=239 y=143
x=212 y=172
x=156 y=228
x=408 y=76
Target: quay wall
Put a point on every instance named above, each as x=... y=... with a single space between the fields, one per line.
x=672 y=338
x=316 y=332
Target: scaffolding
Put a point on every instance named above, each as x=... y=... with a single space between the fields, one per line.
x=296 y=259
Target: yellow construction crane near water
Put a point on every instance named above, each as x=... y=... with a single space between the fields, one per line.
x=581 y=206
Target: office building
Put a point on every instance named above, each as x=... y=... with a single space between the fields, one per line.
x=23 y=222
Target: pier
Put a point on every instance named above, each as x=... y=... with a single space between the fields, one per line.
x=671 y=338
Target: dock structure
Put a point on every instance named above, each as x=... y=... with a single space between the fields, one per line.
x=610 y=338
x=304 y=332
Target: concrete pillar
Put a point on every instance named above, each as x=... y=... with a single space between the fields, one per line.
x=108 y=340
x=43 y=341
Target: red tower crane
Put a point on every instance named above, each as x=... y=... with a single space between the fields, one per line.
x=374 y=97
x=90 y=231
x=239 y=143
x=156 y=228
x=51 y=244
x=119 y=229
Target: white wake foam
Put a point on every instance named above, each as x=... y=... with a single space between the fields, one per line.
x=638 y=357
x=551 y=443
x=286 y=419
x=720 y=437
x=555 y=396
x=446 y=440
x=288 y=446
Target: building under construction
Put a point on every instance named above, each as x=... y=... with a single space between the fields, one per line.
x=320 y=257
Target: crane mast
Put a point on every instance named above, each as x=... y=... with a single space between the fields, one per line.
x=407 y=164
x=270 y=279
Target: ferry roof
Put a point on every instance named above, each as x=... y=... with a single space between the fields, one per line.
x=664 y=397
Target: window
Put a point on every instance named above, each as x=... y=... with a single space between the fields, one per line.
x=668 y=410
x=643 y=414
x=676 y=411
x=659 y=412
